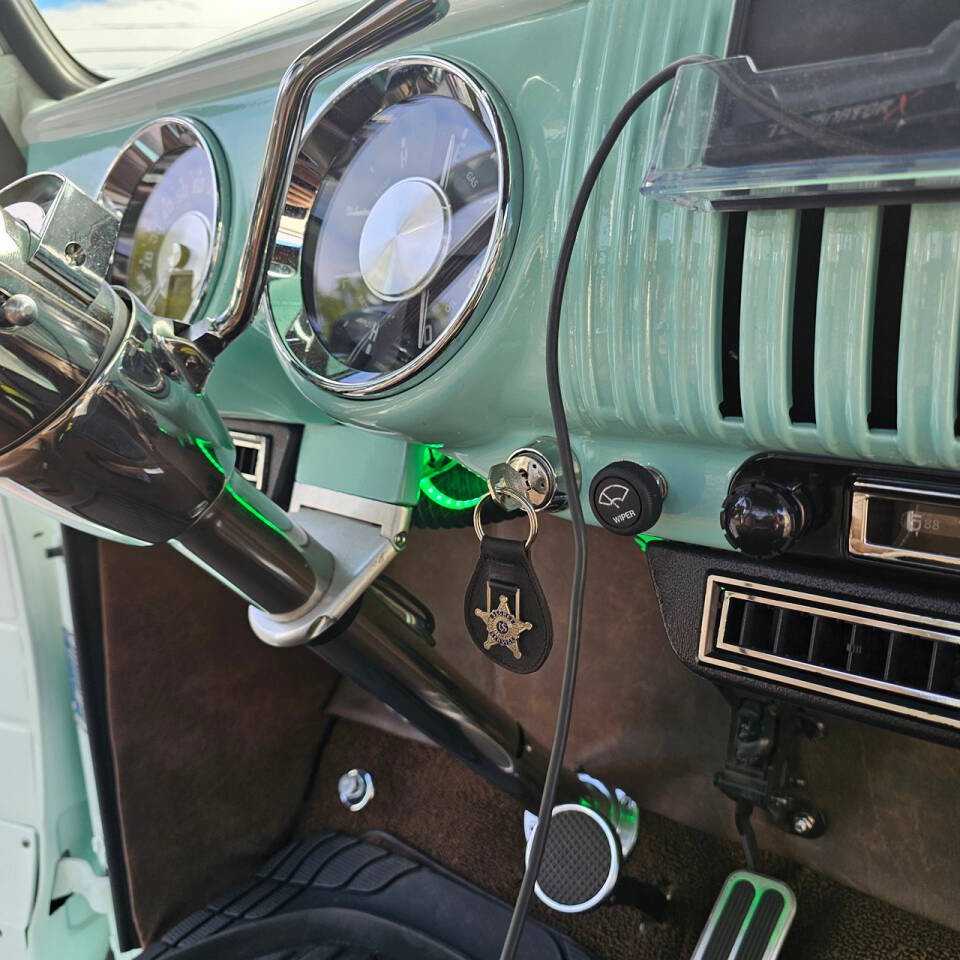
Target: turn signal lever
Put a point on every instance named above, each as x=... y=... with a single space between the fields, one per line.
x=103 y=418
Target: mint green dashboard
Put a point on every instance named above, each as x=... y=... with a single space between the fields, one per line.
x=642 y=340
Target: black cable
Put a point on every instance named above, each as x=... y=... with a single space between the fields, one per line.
x=565 y=708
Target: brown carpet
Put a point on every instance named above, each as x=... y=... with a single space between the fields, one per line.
x=214 y=733
x=432 y=801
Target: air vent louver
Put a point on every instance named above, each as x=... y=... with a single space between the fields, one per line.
x=903 y=662
x=251 y=454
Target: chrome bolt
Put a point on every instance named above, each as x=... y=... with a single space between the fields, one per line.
x=19 y=311
x=804 y=824
x=355 y=789
x=75 y=253
x=400 y=541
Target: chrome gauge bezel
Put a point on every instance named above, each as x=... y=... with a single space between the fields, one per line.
x=160 y=138
x=286 y=261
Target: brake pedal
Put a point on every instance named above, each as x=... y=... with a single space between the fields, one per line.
x=581 y=861
x=581 y=864
x=749 y=921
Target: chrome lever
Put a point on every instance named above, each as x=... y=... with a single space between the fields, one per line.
x=374 y=25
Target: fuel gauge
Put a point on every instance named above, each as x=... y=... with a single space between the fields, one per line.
x=165 y=187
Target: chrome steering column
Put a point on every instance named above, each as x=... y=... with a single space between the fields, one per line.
x=103 y=417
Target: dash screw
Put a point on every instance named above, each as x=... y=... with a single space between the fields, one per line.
x=356 y=789
x=75 y=253
x=804 y=825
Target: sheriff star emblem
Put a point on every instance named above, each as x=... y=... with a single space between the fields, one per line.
x=503 y=628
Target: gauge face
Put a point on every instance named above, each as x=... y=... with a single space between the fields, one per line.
x=164 y=185
x=392 y=225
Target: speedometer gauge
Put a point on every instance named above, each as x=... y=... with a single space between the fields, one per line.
x=394 y=225
x=165 y=187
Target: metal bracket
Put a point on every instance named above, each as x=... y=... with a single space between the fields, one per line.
x=761 y=765
x=76 y=876
x=362 y=535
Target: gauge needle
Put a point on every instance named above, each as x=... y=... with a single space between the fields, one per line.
x=422 y=329
x=447 y=162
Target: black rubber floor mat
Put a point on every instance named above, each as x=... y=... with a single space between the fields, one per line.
x=336 y=897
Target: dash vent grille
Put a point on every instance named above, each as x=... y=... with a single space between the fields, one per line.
x=251 y=454
x=807 y=255
x=902 y=662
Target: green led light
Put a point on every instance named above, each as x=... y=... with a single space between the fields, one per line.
x=643 y=540
x=441 y=499
x=202 y=446
x=434 y=464
x=252 y=509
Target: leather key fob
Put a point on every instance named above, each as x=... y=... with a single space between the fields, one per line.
x=505 y=610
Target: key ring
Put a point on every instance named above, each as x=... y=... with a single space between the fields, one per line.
x=512 y=495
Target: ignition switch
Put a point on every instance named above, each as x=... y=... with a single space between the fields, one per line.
x=535 y=473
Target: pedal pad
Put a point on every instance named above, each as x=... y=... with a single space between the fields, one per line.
x=581 y=861
x=749 y=921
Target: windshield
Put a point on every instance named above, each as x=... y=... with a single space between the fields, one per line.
x=115 y=37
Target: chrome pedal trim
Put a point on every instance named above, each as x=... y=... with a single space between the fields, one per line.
x=720 y=649
x=751 y=918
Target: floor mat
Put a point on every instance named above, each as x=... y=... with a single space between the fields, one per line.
x=333 y=895
x=432 y=801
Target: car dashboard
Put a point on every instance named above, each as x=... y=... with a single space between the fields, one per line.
x=789 y=374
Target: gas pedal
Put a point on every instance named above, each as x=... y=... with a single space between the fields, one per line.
x=749 y=921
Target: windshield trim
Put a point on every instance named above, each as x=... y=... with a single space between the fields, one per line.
x=41 y=54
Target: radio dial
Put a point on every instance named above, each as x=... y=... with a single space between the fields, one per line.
x=764 y=518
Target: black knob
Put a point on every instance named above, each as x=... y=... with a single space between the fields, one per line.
x=764 y=518
x=627 y=498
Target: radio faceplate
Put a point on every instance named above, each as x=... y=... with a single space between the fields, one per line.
x=905 y=525
x=883 y=514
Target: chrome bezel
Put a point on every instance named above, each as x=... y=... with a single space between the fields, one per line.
x=860 y=545
x=165 y=136
x=288 y=246
x=720 y=589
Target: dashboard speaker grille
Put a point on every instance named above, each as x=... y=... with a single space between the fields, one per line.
x=888 y=659
x=793 y=371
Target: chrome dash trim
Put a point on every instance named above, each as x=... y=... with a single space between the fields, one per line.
x=859 y=546
x=155 y=140
x=713 y=624
x=375 y=24
x=496 y=256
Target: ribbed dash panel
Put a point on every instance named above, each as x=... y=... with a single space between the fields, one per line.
x=843 y=346
x=637 y=264
x=927 y=368
x=766 y=332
